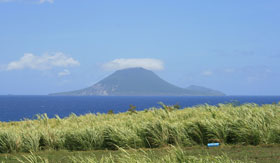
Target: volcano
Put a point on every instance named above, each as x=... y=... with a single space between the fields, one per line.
x=138 y=82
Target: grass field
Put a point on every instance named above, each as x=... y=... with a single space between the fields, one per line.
x=262 y=154
x=235 y=127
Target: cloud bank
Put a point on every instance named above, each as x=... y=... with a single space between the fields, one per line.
x=122 y=63
x=43 y=62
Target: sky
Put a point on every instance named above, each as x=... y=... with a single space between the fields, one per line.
x=49 y=46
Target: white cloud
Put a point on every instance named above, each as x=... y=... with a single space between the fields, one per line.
x=43 y=62
x=35 y=1
x=207 y=73
x=65 y=72
x=122 y=63
x=43 y=1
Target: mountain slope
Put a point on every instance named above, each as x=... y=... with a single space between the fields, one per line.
x=203 y=90
x=137 y=82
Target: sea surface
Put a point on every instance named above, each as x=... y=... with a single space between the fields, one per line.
x=15 y=108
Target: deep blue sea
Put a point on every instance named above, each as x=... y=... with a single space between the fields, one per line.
x=15 y=108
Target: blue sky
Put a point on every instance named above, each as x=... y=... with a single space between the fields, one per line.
x=50 y=46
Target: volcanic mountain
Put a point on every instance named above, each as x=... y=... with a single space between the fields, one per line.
x=138 y=82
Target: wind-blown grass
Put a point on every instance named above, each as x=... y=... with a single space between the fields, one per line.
x=248 y=124
x=175 y=155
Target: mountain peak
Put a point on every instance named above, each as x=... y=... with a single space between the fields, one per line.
x=133 y=70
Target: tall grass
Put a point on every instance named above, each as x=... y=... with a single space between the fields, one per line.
x=248 y=124
x=32 y=159
x=175 y=155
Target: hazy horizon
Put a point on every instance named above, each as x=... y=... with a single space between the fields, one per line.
x=51 y=46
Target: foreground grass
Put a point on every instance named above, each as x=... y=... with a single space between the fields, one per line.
x=248 y=124
x=262 y=154
x=247 y=133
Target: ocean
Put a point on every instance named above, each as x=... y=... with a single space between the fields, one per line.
x=15 y=108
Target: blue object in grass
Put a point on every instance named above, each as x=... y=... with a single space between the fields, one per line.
x=213 y=144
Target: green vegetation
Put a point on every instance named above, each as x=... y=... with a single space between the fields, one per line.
x=132 y=109
x=248 y=124
x=140 y=156
x=110 y=112
x=261 y=153
x=228 y=124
